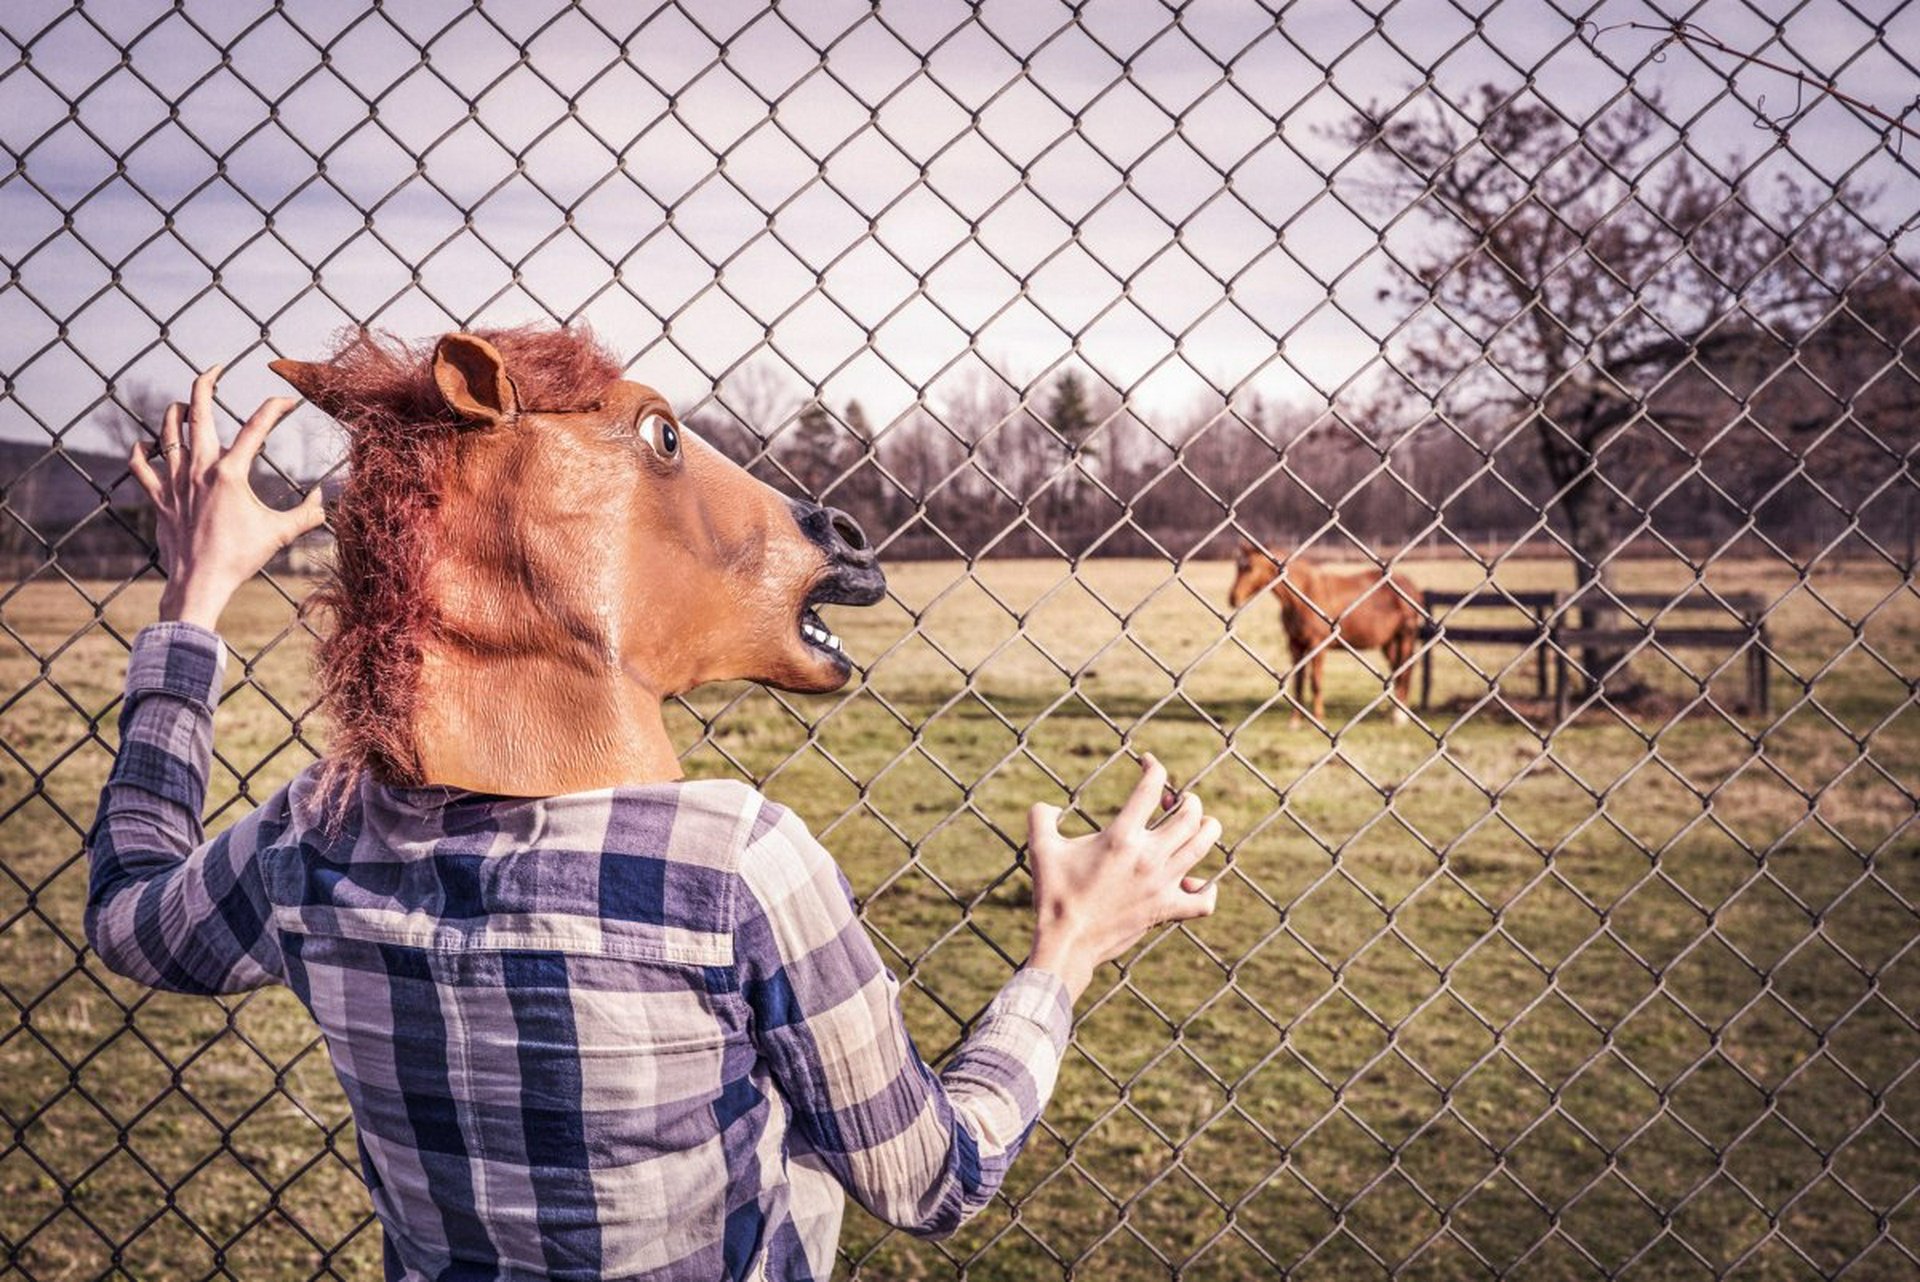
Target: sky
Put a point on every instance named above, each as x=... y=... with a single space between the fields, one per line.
x=869 y=203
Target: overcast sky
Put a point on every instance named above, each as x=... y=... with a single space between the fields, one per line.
x=241 y=179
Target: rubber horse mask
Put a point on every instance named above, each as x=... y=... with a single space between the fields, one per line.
x=533 y=553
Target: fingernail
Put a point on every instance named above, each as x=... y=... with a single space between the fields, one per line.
x=1169 y=798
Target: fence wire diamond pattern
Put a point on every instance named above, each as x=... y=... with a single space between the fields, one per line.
x=1600 y=965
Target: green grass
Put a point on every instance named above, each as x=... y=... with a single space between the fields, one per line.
x=1640 y=991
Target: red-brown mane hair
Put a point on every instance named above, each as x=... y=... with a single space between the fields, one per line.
x=400 y=435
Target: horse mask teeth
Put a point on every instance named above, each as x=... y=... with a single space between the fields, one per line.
x=815 y=630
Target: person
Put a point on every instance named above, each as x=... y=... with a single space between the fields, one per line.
x=637 y=1031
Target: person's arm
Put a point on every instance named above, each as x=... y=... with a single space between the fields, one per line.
x=164 y=906
x=923 y=1152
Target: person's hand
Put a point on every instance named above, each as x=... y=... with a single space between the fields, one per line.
x=214 y=531
x=1095 y=896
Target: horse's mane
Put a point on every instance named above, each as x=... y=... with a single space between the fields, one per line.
x=401 y=435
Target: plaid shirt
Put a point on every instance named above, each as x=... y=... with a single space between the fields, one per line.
x=637 y=1032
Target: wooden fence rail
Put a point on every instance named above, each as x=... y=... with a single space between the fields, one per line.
x=1542 y=622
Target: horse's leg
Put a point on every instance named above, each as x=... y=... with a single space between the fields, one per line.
x=1319 y=691
x=1400 y=660
x=1298 y=652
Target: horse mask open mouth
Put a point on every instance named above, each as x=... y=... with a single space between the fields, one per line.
x=533 y=552
x=852 y=577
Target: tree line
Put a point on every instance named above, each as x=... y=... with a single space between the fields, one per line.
x=1606 y=343
x=1597 y=340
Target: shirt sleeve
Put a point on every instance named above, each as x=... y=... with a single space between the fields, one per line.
x=165 y=906
x=921 y=1151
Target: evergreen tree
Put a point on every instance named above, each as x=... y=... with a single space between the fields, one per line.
x=857 y=424
x=1068 y=413
x=817 y=451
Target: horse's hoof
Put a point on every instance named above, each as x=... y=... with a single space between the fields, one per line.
x=1398 y=716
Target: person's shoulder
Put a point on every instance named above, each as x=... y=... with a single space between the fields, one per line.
x=724 y=795
x=715 y=822
x=296 y=811
x=778 y=852
x=764 y=849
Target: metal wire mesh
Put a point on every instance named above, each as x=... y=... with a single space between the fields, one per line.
x=1602 y=966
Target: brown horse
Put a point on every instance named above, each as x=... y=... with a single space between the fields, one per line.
x=1366 y=610
x=533 y=553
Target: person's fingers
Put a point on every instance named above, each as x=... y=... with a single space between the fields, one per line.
x=203 y=438
x=1145 y=797
x=1176 y=828
x=1042 y=821
x=143 y=472
x=1205 y=837
x=309 y=514
x=1189 y=904
x=173 y=451
x=253 y=433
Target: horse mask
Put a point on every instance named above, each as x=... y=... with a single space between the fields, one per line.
x=533 y=553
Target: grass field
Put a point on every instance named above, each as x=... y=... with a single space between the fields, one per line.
x=1477 y=998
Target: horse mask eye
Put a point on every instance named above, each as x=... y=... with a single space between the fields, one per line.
x=661 y=436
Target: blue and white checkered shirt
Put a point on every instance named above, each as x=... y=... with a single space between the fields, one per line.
x=632 y=1033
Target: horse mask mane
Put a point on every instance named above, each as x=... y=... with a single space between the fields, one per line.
x=533 y=552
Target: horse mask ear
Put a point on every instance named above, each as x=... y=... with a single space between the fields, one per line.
x=473 y=378
x=309 y=379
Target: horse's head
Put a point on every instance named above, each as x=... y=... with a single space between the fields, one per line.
x=1254 y=570
x=585 y=556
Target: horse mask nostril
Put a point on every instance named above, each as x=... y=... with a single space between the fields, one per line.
x=849 y=531
x=833 y=532
x=852 y=574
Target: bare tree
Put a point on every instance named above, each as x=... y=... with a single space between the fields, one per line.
x=761 y=397
x=1005 y=461
x=924 y=456
x=134 y=418
x=1573 y=270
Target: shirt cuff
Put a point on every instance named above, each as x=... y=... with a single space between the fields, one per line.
x=180 y=659
x=1040 y=997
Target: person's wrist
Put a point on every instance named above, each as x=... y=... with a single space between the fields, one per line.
x=186 y=600
x=1066 y=963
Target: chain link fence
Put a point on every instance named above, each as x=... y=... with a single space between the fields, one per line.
x=1594 y=328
